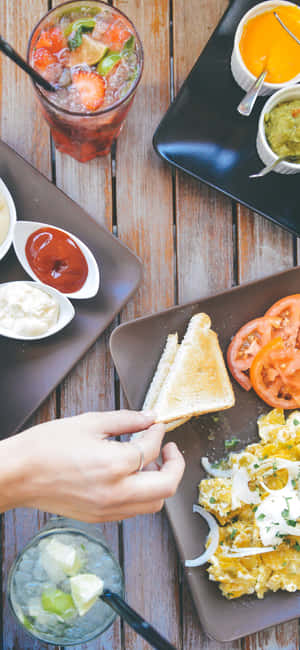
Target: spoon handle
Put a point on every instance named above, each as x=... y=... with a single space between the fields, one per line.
x=12 y=54
x=136 y=621
x=266 y=170
x=246 y=105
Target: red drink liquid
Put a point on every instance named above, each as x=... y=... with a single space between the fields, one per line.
x=93 y=54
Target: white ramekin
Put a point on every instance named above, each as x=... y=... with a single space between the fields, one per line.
x=240 y=72
x=5 y=246
x=264 y=150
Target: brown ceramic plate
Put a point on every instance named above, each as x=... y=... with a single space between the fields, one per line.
x=136 y=347
x=30 y=371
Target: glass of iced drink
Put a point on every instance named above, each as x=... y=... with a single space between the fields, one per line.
x=54 y=585
x=93 y=55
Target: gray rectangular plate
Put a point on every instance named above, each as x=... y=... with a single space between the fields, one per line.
x=30 y=371
x=136 y=347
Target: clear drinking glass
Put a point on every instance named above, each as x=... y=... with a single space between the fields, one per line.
x=28 y=579
x=84 y=135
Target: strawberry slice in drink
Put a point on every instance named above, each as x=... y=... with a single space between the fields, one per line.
x=116 y=36
x=91 y=88
x=43 y=58
x=53 y=39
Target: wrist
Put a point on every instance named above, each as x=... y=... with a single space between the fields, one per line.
x=14 y=473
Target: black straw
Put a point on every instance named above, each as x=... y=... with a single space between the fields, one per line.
x=12 y=54
x=136 y=621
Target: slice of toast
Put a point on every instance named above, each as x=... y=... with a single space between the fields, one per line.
x=160 y=375
x=162 y=370
x=198 y=381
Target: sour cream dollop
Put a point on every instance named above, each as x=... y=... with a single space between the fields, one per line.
x=4 y=219
x=27 y=310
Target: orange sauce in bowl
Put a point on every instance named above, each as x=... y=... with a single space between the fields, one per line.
x=265 y=43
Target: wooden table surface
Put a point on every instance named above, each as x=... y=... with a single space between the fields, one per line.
x=193 y=242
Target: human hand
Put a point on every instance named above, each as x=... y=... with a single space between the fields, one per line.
x=74 y=467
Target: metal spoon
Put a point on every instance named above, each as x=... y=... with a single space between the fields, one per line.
x=246 y=105
x=269 y=168
x=286 y=28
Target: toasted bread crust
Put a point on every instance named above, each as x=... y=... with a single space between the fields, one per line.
x=198 y=381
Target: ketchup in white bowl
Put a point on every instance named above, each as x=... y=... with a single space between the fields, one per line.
x=56 y=258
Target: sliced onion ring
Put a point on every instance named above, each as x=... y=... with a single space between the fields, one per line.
x=214 y=471
x=214 y=543
x=245 y=551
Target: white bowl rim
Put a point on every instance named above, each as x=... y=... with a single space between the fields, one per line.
x=93 y=268
x=6 y=244
x=61 y=299
x=238 y=34
x=271 y=103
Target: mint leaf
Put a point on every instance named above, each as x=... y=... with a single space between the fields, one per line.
x=78 y=28
x=231 y=443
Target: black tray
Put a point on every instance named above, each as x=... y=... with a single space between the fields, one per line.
x=203 y=134
x=29 y=371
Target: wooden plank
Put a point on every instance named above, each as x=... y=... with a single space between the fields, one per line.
x=264 y=249
x=204 y=230
x=144 y=217
x=90 y=386
x=23 y=128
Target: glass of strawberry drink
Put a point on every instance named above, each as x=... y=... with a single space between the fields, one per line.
x=93 y=54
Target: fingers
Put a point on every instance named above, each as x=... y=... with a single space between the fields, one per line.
x=123 y=512
x=146 y=446
x=117 y=423
x=155 y=485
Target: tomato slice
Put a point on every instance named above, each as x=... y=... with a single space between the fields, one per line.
x=244 y=347
x=275 y=374
x=286 y=319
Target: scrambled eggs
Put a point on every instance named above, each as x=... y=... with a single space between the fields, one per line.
x=258 y=507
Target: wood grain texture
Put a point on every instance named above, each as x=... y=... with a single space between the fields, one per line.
x=144 y=217
x=204 y=231
x=90 y=386
x=23 y=128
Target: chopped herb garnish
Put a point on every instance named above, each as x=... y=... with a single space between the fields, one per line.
x=254 y=508
x=261 y=516
x=296 y=546
x=294 y=483
x=212 y=500
x=233 y=533
x=256 y=465
x=284 y=563
x=231 y=443
x=291 y=522
x=296 y=422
